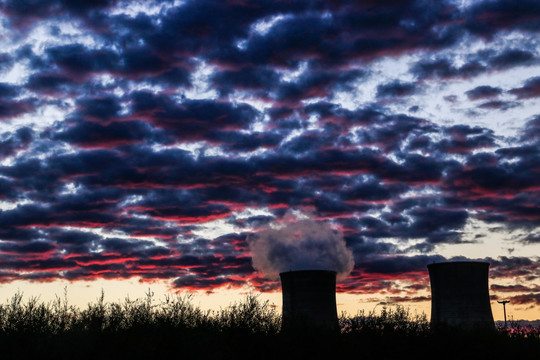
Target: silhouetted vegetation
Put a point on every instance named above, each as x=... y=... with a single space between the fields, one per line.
x=176 y=329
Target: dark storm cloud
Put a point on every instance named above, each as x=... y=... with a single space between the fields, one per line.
x=180 y=206
x=432 y=220
x=24 y=215
x=96 y=123
x=376 y=127
x=48 y=264
x=499 y=105
x=26 y=248
x=24 y=12
x=287 y=43
x=143 y=61
x=482 y=92
x=335 y=114
x=331 y=160
x=415 y=169
x=248 y=78
x=230 y=244
x=531 y=132
x=10 y=143
x=93 y=135
x=486 y=18
x=208 y=272
x=11 y=105
x=513 y=288
x=390 y=28
x=72 y=241
x=109 y=189
x=123 y=246
x=174 y=76
x=444 y=69
x=465 y=139
x=7 y=90
x=241 y=141
x=72 y=237
x=316 y=83
x=147 y=227
x=395 y=89
x=19 y=234
x=99 y=109
x=42 y=179
x=308 y=141
x=190 y=29
x=512 y=57
x=364 y=249
x=172 y=168
x=519 y=209
x=507 y=267
x=398 y=265
x=24 y=6
x=51 y=84
x=391 y=132
x=191 y=119
x=116 y=170
x=6 y=61
x=525 y=299
x=372 y=190
x=68 y=213
x=127 y=169
x=530 y=89
x=502 y=191
x=77 y=60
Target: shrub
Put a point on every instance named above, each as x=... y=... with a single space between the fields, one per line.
x=175 y=328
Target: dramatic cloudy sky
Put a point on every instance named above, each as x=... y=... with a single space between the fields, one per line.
x=147 y=141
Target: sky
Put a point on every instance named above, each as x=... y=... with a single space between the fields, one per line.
x=155 y=144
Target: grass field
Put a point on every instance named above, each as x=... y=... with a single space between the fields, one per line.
x=176 y=329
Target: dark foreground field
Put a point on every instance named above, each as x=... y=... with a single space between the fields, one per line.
x=175 y=329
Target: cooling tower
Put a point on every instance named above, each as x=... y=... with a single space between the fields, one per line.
x=460 y=295
x=309 y=299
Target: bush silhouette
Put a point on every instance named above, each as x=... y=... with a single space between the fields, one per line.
x=176 y=329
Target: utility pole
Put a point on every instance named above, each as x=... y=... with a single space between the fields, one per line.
x=504 y=302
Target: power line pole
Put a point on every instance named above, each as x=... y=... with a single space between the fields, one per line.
x=504 y=302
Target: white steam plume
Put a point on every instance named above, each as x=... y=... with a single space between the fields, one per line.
x=300 y=243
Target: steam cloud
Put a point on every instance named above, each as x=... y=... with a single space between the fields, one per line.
x=297 y=242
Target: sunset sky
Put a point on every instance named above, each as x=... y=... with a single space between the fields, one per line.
x=144 y=143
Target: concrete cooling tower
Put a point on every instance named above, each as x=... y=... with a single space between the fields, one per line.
x=309 y=299
x=460 y=295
